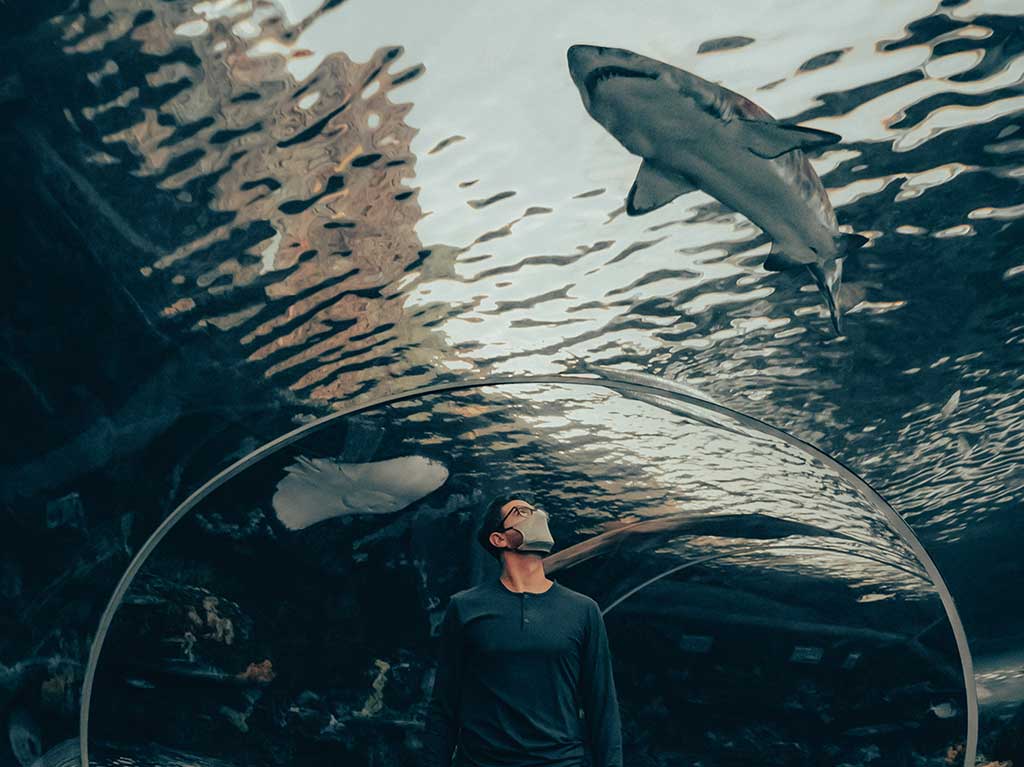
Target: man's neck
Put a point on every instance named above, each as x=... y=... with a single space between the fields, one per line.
x=523 y=572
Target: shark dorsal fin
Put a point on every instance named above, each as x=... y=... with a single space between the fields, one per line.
x=771 y=139
x=653 y=189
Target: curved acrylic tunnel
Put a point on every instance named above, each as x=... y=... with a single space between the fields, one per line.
x=761 y=601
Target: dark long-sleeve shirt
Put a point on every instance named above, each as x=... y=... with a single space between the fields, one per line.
x=514 y=670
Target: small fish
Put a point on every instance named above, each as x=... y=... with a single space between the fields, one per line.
x=945 y=710
x=693 y=134
x=951 y=405
x=963 y=446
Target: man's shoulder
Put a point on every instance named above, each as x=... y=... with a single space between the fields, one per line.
x=577 y=596
x=479 y=591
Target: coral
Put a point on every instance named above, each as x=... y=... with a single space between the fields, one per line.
x=258 y=672
x=375 y=701
x=222 y=629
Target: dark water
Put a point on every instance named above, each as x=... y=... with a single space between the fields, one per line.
x=228 y=218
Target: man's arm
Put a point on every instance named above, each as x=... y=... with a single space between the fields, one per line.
x=600 y=703
x=442 y=721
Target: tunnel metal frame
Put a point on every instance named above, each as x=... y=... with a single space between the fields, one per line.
x=912 y=641
x=647 y=385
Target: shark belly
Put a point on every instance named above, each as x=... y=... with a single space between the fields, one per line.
x=756 y=188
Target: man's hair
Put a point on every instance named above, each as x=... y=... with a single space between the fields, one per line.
x=492 y=519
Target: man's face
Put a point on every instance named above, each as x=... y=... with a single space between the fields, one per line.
x=520 y=519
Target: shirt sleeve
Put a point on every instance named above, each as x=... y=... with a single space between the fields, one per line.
x=600 y=702
x=442 y=720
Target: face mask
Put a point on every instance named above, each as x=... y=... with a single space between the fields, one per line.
x=536 y=535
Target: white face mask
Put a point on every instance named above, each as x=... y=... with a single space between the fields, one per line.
x=536 y=535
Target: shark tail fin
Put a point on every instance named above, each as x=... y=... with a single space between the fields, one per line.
x=829 y=275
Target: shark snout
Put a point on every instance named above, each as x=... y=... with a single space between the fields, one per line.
x=585 y=58
x=581 y=49
x=585 y=61
x=592 y=55
x=581 y=59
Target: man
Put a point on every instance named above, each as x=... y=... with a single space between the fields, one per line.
x=520 y=655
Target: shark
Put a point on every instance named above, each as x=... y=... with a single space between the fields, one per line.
x=693 y=134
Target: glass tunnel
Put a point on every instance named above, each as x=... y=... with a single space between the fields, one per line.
x=763 y=604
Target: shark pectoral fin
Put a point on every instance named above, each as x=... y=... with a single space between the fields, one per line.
x=770 y=139
x=778 y=262
x=653 y=189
